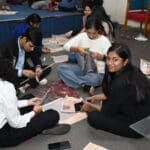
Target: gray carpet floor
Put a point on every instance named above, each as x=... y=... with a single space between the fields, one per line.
x=81 y=133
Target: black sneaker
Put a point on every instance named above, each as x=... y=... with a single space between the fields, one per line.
x=59 y=129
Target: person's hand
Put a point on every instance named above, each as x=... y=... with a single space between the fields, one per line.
x=82 y=51
x=34 y=101
x=93 y=98
x=97 y=55
x=45 y=49
x=37 y=109
x=89 y=99
x=38 y=71
x=28 y=73
x=86 y=106
x=99 y=97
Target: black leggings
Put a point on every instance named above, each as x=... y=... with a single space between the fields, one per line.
x=10 y=136
x=115 y=124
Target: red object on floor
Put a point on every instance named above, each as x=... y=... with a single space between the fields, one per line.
x=57 y=90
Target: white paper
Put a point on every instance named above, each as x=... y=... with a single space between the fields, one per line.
x=68 y=118
x=59 y=39
x=75 y=118
x=68 y=104
x=60 y=59
x=57 y=105
x=92 y=146
x=55 y=43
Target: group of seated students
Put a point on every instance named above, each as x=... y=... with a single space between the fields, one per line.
x=100 y=62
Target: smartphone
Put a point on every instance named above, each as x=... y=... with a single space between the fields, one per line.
x=59 y=145
x=78 y=106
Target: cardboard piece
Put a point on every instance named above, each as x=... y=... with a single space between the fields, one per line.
x=68 y=104
x=75 y=118
x=92 y=146
x=68 y=118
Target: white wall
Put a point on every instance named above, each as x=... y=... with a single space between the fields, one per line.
x=116 y=9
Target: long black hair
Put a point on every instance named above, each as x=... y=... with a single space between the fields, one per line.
x=34 y=35
x=7 y=71
x=34 y=18
x=101 y=14
x=129 y=74
x=93 y=22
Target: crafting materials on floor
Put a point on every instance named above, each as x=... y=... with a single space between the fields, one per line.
x=65 y=118
x=58 y=89
x=55 y=43
x=142 y=127
x=92 y=146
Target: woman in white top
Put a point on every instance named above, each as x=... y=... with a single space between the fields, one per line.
x=97 y=45
x=17 y=126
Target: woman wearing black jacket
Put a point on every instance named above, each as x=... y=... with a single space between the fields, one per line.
x=126 y=95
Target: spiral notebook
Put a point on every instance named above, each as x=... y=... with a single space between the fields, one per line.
x=142 y=127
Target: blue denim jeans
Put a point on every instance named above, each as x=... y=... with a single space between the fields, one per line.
x=74 y=77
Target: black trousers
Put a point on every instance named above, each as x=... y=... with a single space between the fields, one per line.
x=10 y=136
x=114 y=124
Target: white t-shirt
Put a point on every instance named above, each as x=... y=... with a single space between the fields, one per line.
x=9 y=112
x=100 y=45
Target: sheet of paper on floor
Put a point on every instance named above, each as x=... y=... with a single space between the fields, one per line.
x=69 y=118
x=53 y=46
x=68 y=104
x=75 y=118
x=60 y=58
x=92 y=146
x=59 y=39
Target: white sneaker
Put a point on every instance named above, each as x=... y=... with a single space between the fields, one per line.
x=44 y=81
x=22 y=90
x=140 y=37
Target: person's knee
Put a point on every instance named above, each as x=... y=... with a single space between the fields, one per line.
x=61 y=69
x=54 y=115
x=95 y=81
x=92 y=119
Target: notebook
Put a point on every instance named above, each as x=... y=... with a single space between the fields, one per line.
x=142 y=127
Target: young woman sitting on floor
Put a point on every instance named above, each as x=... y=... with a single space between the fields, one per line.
x=18 y=125
x=125 y=97
x=90 y=45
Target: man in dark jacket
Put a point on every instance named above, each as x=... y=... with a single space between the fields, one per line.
x=25 y=48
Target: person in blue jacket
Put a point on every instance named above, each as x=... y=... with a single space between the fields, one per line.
x=33 y=20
